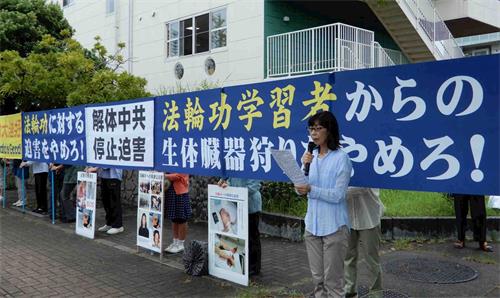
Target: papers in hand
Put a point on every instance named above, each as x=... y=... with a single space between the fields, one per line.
x=286 y=161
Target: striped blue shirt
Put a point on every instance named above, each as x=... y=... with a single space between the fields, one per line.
x=327 y=207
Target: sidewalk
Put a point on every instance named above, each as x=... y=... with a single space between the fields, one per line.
x=40 y=258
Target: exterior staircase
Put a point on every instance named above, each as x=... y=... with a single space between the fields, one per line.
x=417 y=29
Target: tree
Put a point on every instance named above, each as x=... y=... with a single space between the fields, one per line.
x=58 y=73
x=23 y=23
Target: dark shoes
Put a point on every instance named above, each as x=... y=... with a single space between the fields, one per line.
x=39 y=211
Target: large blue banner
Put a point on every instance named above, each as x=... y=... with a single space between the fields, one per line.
x=428 y=126
x=55 y=136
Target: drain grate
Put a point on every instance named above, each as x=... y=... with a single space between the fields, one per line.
x=363 y=293
x=430 y=270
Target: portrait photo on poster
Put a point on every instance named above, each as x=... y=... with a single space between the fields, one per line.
x=224 y=216
x=229 y=253
x=143 y=230
x=155 y=219
x=155 y=203
x=85 y=219
x=156 y=241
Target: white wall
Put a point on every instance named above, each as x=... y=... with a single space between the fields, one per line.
x=486 y=11
x=242 y=61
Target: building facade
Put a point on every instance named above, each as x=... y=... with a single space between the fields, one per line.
x=182 y=44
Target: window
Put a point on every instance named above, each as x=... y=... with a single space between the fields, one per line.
x=197 y=34
x=110 y=6
x=67 y=2
x=480 y=52
x=219 y=29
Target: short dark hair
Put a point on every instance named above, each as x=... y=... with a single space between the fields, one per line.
x=328 y=121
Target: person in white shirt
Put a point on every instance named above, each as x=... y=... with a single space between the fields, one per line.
x=41 y=172
x=365 y=213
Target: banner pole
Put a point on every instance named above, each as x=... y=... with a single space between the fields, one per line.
x=4 y=186
x=52 y=197
x=23 y=191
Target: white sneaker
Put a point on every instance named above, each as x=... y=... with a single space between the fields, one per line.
x=113 y=231
x=19 y=203
x=104 y=228
x=177 y=248
x=170 y=247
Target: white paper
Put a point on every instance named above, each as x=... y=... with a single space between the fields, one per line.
x=86 y=190
x=286 y=161
x=228 y=233
x=150 y=202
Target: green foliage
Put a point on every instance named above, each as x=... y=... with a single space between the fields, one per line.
x=60 y=72
x=415 y=203
x=280 y=197
x=23 y=23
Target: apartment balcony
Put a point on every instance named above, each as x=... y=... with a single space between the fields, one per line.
x=333 y=47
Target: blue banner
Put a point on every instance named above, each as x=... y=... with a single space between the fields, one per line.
x=428 y=126
x=56 y=136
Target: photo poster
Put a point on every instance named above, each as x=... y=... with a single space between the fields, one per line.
x=86 y=192
x=150 y=210
x=228 y=233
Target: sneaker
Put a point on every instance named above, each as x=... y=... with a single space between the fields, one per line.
x=113 y=231
x=104 y=228
x=170 y=247
x=19 y=203
x=177 y=248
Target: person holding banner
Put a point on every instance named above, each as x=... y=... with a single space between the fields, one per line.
x=58 y=171
x=327 y=218
x=68 y=195
x=41 y=172
x=478 y=215
x=111 y=181
x=365 y=214
x=20 y=177
x=254 y=210
x=178 y=209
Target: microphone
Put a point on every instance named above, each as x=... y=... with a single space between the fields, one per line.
x=310 y=148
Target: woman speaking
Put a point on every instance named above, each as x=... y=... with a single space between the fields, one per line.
x=327 y=219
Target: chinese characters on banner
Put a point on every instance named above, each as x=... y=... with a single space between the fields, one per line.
x=10 y=136
x=150 y=210
x=228 y=233
x=427 y=126
x=86 y=191
x=54 y=136
x=121 y=134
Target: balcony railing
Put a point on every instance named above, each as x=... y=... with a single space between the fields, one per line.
x=425 y=18
x=332 y=47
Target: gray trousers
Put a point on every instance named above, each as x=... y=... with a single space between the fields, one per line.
x=367 y=242
x=326 y=256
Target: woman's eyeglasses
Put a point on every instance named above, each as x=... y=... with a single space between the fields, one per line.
x=312 y=129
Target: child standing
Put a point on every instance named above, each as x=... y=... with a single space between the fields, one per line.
x=178 y=209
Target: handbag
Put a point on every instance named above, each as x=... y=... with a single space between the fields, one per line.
x=494 y=202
